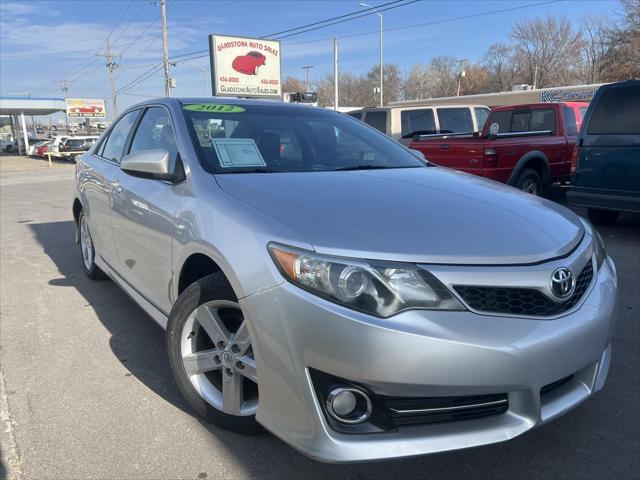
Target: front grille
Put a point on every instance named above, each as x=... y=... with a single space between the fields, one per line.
x=420 y=411
x=522 y=301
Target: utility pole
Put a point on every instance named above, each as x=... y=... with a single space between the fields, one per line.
x=165 y=49
x=307 y=68
x=64 y=85
x=460 y=73
x=335 y=73
x=111 y=66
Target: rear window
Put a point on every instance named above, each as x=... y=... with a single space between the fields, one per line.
x=543 y=119
x=617 y=112
x=417 y=122
x=455 y=120
x=377 y=120
x=357 y=115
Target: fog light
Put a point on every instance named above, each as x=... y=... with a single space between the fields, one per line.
x=349 y=405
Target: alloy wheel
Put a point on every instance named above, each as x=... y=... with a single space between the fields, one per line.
x=86 y=244
x=218 y=358
x=530 y=186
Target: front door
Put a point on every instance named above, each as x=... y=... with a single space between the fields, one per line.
x=144 y=225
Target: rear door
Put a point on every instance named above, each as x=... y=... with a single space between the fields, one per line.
x=98 y=179
x=610 y=137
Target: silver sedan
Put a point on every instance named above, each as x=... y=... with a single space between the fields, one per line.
x=319 y=280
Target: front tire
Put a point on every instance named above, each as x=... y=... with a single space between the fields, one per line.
x=602 y=217
x=211 y=357
x=87 y=250
x=529 y=181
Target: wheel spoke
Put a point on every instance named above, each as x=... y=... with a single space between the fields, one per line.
x=232 y=397
x=241 y=339
x=199 y=362
x=210 y=320
x=249 y=370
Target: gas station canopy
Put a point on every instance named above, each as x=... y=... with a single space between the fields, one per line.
x=31 y=105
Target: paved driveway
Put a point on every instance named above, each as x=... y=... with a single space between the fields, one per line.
x=86 y=391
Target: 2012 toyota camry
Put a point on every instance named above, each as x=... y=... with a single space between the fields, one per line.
x=320 y=280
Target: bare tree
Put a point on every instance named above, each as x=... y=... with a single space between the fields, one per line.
x=547 y=48
x=293 y=84
x=392 y=84
x=443 y=76
x=416 y=84
x=502 y=66
x=622 y=60
x=596 y=32
x=476 y=80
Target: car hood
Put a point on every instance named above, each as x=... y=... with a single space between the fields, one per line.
x=421 y=215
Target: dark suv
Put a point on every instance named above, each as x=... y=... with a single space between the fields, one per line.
x=606 y=159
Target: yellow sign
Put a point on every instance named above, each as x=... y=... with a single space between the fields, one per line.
x=85 y=108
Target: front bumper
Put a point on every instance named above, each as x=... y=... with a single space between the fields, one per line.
x=423 y=353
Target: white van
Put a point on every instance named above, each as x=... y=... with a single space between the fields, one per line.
x=403 y=123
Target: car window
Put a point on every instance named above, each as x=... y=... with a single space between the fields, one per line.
x=502 y=120
x=114 y=145
x=377 y=119
x=154 y=132
x=520 y=121
x=417 y=122
x=481 y=116
x=271 y=138
x=357 y=115
x=455 y=120
x=570 y=122
x=616 y=112
x=542 y=119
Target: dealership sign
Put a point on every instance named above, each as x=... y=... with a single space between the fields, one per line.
x=85 y=108
x=245 y=67
x=583 y=95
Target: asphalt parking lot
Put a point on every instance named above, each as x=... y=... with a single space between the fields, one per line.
x=86 y=392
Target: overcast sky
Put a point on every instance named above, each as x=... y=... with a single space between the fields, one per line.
x=42 y=41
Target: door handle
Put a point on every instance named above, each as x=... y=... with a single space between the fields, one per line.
x=444 y=146
x=115 y=186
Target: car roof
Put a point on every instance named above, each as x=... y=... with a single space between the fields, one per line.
x=536 y=105
x=241 y=102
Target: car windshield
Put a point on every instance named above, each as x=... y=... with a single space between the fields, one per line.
x=272 y=138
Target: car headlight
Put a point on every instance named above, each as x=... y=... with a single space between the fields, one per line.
x=378 y=288
x=601 y=253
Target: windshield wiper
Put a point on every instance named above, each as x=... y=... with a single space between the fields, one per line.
x=360 y=167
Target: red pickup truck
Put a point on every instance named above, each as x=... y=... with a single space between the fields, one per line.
x=525 y=146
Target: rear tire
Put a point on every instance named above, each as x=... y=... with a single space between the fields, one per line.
x=87 y=250
x=529 y=181
x=206 y=324
x=602 y=217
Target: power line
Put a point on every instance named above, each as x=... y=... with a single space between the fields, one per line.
x=426 y=24
x=356 y=12
x=339 y=19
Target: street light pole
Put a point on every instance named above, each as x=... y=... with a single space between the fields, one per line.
x=460 y=74
x=307 y=68
x=381 y=61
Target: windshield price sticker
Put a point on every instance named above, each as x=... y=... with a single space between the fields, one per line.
x=238 y=153
x=210 y=107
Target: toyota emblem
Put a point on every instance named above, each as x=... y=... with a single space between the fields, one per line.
x=563 y=283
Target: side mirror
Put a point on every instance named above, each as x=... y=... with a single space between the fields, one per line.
x=148 y=164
